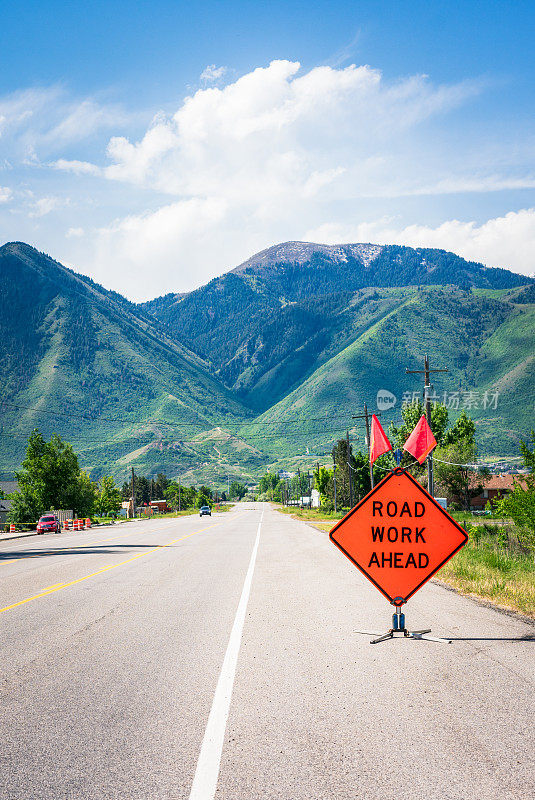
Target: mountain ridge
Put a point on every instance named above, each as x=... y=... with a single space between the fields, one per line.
x=239 y=374
x=291 y=298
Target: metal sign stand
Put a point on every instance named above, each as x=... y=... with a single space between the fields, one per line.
x=398 y=626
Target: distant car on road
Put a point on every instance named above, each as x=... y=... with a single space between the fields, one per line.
x=48 y=524
x=205 y=510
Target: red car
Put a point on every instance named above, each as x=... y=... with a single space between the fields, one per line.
x=48 y=524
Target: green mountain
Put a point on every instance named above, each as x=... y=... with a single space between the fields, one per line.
x=270 y=323
x=86 y=363
x=265 y=365
x=487 y=345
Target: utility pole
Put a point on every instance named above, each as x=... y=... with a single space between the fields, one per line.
x=427 y=396
x=133 y=494
x=366 y=417
x=179 y=494
x=349 y=471
x=334 y=477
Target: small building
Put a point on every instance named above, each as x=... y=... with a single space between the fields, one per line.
x=496 y=487
x=311 y=500
x=159 y=506
x=5 y=508
x=6 y=488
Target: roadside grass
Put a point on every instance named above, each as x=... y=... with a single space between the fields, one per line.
x=309 y=514
x=473 y=519
x=107 y=520
x=493 y=566
x=20 y=527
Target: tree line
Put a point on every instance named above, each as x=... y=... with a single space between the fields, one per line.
x=51 y=478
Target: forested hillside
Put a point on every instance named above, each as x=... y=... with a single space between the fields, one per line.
x=267 y=325
x=263 y=366
x=487 y=345
x=87 y=363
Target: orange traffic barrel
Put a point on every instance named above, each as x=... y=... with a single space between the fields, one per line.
x=65 y=524
x=12 y=528
x=88 y=523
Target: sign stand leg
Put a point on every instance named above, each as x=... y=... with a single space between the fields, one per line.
x=398 y=626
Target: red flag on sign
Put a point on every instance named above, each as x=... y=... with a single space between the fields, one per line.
x=379 y=443
x=421 y=441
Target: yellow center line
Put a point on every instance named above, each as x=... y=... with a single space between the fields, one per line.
x=56 y=588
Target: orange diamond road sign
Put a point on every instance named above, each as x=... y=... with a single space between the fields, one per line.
x=398 y=536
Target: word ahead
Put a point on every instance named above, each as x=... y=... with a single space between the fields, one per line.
x=398 y=536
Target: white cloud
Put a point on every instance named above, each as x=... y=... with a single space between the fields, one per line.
x=76 y=167
x=155 y=249
x=5 y=194
x=261 y=159
x=277 y=128
x=211 y=74
x=44 y=205
x=75 y=233
x=507 y=241
x=273 y=155
x=463 y=185
x=82 y=119
x=43 y=120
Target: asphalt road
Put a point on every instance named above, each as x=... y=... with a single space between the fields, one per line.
x=194 y=658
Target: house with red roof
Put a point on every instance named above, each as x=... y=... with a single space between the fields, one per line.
x=496 y=487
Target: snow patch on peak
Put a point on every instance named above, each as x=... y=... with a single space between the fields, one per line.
x=366 y=252
x=301 y=252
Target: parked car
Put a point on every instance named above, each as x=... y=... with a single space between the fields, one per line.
x=205 y=510
x=48 y=524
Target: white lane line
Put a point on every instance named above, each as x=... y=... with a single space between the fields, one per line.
x=207 y=773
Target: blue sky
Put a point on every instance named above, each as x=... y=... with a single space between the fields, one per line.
x=155 y=145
